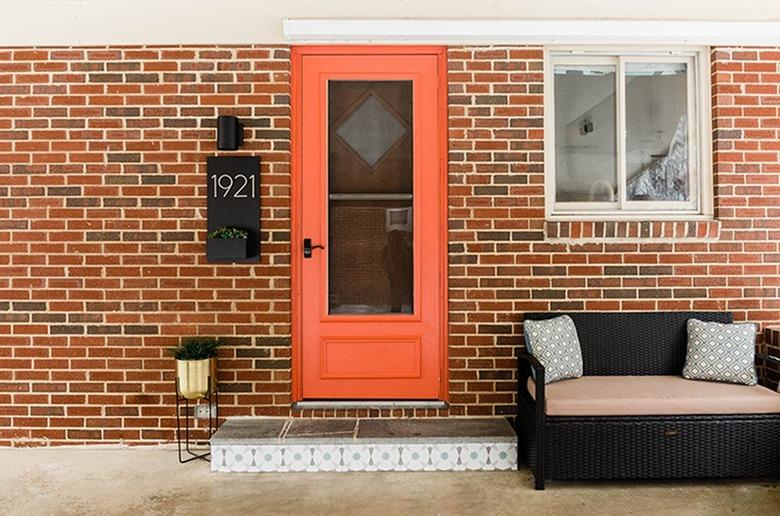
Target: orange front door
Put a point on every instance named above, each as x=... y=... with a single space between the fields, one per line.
x=370 y=232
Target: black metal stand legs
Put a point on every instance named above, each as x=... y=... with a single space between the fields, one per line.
x=213 y=414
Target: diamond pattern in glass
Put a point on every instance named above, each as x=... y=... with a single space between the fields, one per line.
x=370 y=130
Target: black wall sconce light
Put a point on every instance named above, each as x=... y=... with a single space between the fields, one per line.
x=230 y=133
x=587 y=126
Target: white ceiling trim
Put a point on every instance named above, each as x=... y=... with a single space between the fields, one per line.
x=536 y=32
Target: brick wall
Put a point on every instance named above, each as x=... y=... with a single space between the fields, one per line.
x=744 y=264
x=102 y=224
x=496 y=214
x=102 y=212
x=504 y=259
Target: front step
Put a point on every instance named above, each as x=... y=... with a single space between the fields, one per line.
x=283 y=445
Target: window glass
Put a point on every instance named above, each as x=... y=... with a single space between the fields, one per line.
x=657 y=132
x=585 y=142
x=627 y=134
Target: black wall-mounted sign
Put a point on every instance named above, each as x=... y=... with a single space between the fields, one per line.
x=233 y=185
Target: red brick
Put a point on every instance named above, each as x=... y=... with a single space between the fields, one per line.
x=106 y=268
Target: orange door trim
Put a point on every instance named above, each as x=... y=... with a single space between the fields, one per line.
x=408 y=344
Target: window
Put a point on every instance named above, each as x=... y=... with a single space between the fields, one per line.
x=628 y=135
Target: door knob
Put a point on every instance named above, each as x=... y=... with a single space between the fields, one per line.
x=307 y=247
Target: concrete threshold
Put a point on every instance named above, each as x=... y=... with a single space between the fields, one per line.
x=441 y=444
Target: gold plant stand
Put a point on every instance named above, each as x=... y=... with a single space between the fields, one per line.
x=211 y=395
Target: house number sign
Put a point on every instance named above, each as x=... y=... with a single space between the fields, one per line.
x=238 y=186
x=233 y=190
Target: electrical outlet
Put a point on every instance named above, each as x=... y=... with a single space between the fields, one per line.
x=202 y=411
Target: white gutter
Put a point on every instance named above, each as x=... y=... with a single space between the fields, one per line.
x=533 y=32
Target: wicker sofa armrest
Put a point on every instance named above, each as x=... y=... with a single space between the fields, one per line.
x=531 y=417
x=768 y=358
x=529 y=363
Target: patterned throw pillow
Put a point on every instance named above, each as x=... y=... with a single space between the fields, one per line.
x=721 y=352
x=555 y=344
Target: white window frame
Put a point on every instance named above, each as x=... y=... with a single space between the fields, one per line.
x=699 y=128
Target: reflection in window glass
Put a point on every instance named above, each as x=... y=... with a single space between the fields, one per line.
x=657 y=132
x=585 y=143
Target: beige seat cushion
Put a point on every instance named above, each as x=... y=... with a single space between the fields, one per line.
x=654 y=395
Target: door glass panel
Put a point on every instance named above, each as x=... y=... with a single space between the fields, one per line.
x=370 y=197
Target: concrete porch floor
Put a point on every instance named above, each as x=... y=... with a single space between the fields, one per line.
x=150 y=481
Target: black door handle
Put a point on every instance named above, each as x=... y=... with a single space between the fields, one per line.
x=307 y=247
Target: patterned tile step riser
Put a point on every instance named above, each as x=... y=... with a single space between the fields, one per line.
x=363 y=457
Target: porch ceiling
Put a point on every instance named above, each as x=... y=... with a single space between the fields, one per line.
x=94 y=22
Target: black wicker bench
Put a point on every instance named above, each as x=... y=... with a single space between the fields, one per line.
x=638 y=447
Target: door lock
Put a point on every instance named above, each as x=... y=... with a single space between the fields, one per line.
x=307 y=247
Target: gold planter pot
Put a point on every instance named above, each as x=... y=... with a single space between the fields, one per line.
x=193 y=377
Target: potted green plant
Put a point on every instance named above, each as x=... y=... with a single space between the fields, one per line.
x=227 y=243
x=196 y=363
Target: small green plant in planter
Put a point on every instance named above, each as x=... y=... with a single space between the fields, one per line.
x=227 y=233
x=227 y=243
x=196 y=364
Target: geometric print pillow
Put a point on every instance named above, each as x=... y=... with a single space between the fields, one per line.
x=555 y=344
x=721 y=352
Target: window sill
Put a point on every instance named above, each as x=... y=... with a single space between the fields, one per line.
x=628 y=216
x=688 y=229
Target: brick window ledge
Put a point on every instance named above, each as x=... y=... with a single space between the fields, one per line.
x=631 y=230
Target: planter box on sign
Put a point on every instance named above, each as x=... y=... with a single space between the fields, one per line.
x=226 y=249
